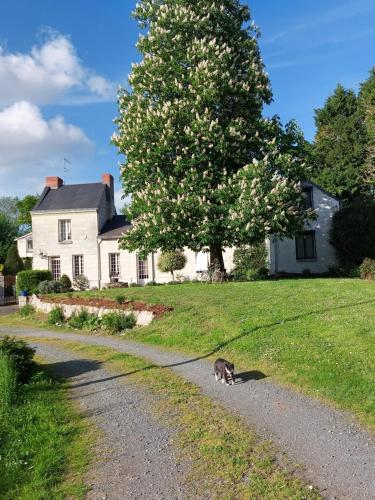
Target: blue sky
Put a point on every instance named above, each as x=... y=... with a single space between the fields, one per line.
x=60 y=63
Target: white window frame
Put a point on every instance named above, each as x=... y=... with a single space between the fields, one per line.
x=143 y=269
x=78 y=265
x=114 y=265
x=65 y=230
x=55 y=267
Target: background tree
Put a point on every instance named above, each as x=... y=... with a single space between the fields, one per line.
x=24 y=207
x=203 y=167
x=367 y=104
x=8 y=231
x=8 y=207
x=169 y=262
x=340 y=142
x=13 y=262
x=353 y=233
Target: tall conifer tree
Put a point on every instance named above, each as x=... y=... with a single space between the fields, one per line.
x=203 y=167
x=340 y=144
x=367 y=103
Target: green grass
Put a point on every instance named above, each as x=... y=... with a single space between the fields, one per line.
x=317 y=335
x=44 y=444
x=226 y=458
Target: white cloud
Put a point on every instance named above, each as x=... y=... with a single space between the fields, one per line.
x=33 y=147
x=49 y=73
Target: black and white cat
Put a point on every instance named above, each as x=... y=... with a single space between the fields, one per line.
x=224 y=371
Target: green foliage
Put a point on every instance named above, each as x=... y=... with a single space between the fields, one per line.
x=46 y=287
x=56 y=316
x=21 y=356
x=8 y=231
x=24 y=207
x=340 y=144
x=81 y=283
x=41 y=439
x=66 y=284
x=367 y=104
x=8 y=207
x=117 y=322
x=28 y=281
x=204 y=168
x=27 y=263
x=353 y=233
x=367 y=269
x=120 y=299
x=169 y=262
x=249 y=261
x=8 y=384
x=26 y=310
x=78 y=321
x=13 y=262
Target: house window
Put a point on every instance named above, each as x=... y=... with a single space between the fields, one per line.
x=55 y=267
x=65 y=231
x=306 y=246
x=114 y=265
x=143 y=269
x=78 y=265
x=29 y=244
x=308 y=195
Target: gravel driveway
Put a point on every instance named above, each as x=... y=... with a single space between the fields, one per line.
x=134 y=456
x=338 y=455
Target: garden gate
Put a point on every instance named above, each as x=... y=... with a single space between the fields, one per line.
x=7 y=290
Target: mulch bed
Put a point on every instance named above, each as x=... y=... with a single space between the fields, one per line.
x=105 y=303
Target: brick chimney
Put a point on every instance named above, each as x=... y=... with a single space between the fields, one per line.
x=107 y=179
x=54 y=182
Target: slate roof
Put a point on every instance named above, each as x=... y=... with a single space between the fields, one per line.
x=72 y=197
x=115 y=228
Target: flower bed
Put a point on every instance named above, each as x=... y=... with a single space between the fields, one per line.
x=144 y=313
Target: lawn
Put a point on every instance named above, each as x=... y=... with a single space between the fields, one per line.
x=317 y=335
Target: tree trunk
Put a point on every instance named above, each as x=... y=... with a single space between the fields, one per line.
x=216 y=257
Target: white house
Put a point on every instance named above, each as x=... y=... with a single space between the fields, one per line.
x=76 y=230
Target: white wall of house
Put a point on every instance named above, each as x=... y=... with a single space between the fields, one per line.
x=282 y=253
x=23 y=245
x=84 y=229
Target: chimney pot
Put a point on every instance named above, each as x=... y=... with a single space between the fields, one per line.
x=54 y=182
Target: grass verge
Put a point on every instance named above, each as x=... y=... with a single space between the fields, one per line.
x=226 y=458
x=44 y=442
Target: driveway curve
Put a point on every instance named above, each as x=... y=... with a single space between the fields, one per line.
x=339 y=456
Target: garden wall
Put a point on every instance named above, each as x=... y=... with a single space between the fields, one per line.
x=143 y=318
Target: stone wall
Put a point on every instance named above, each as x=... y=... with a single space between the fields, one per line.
x=143 y=318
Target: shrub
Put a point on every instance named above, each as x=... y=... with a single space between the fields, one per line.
x=250 y=262
x=117 y=322
x=367 y=269
x=65 y=282
x=29 y=280
x=55 y=316
x=353 y=233
x=27 y=263
x=92 y=323
x=169 y=262
x=21 y=356
x=8 y=383
x=13 y=262
x=134 y=285
x=46 y=287
x=81 y=282
x=78 y=321
x=26 y=310
x=120 y=299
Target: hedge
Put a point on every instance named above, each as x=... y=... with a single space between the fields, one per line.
x=28 y=281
